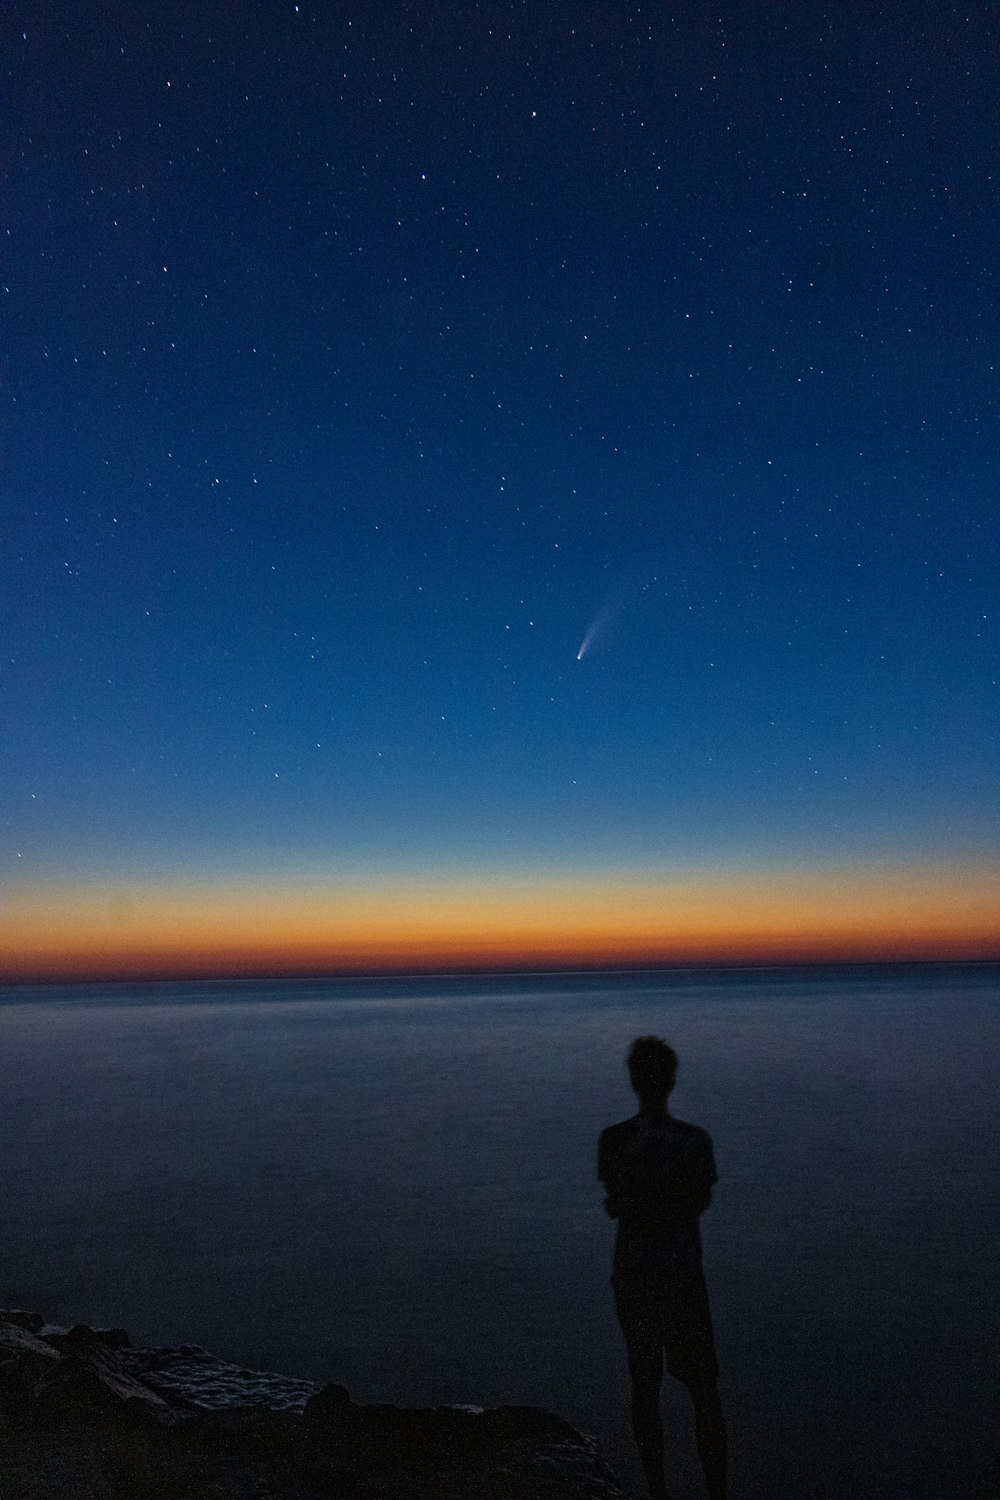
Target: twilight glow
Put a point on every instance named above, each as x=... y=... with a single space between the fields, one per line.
x=703 y=917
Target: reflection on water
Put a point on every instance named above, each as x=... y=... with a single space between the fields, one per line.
x=391 y=1184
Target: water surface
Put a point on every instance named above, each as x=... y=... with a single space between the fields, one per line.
x=391 y=1184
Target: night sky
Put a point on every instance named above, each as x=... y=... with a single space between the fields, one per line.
x=497 y=482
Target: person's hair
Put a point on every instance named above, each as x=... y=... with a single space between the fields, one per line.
x=652 y=1067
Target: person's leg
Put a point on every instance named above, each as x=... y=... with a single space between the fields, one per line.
x=710 y=1435
x=640 y=1316
x=691 y=1358
x=645 y=1369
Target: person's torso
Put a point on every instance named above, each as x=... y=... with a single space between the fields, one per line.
x=655 y=1169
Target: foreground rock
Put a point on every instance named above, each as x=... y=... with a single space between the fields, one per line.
x=85 y=1417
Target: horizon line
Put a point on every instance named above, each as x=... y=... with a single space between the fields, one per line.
x=485 y=971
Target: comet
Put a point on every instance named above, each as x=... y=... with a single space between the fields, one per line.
x=593 y=633
x=634 y=579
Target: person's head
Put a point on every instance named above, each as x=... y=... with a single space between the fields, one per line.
x=652 y=1067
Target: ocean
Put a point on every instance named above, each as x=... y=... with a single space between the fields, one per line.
x=391 y=1184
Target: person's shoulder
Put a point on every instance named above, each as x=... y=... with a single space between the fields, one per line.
x=613 y=1134
x=692 y=1135
x=612 y=1147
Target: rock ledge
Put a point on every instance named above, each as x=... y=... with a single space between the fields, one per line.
x=83 y=1416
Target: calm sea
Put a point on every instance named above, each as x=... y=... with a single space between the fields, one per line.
x=391 y=1184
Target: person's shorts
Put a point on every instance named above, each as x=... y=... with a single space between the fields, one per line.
x=668 y=1316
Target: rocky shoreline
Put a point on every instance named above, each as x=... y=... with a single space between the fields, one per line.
x=85 y=1416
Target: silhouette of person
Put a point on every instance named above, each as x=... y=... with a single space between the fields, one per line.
x=659 y=1173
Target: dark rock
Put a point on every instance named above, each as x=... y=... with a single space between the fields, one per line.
x=247 y=1423
x=16 y=1342
x=531 y=1424
x=83 y=1425
x=81 y=1337
x=89 y=1378
x=24 y=1360
x=436 y=1453
x=329 y=1403
x=32 y=1321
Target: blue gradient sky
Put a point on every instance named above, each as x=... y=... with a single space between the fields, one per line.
x=359 y=359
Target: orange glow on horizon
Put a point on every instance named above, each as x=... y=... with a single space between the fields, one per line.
x=759 y=916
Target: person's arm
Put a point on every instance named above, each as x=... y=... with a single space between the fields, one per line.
x=606 y=1173
x=703 y=1178
x=682 y=1186
x=697 y=1198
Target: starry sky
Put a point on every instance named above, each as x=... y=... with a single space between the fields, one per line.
x=494 y=482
